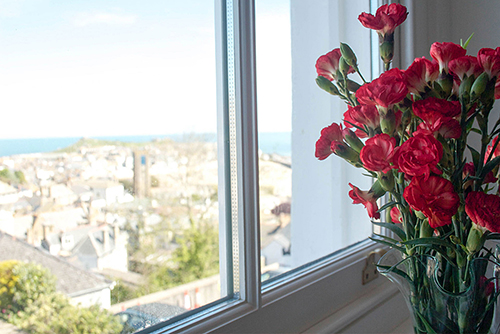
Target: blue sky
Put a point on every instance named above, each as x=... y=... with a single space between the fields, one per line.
x=119 y=67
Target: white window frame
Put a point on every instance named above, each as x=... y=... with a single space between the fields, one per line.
x=323 y=297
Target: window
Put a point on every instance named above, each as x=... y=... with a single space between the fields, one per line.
x=323 y=295
x=313 y=240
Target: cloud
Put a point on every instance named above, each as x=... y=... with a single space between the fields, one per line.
x=85 y=19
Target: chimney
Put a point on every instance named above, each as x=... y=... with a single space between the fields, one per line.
x=116 y=229
x=105 y=238
x=46 y=231
x=138 y=189
x=147 y=176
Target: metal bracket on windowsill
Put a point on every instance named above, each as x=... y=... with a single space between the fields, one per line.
x=370 y=271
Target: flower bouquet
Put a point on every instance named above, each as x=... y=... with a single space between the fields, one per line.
x=425 y=136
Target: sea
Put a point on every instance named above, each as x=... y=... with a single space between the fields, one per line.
x=269 y=142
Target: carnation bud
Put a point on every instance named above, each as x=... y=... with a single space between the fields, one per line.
x=386 y=52
x=474 y=240
x=377 y=190
x=352 y=85
x=348 y=154
x=343 y=67
x=406 y=119
x=445 y=82
x=488 y=95
x=388 y=122
x=386 y=180
x=353 y=140
x=426 y=230
x=348 y=55
x=465 y=87
x=327 y=85
x=479 y=85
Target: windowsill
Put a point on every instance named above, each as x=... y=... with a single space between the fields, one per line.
x=404 y=328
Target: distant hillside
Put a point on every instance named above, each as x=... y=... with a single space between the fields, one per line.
x=92 y=142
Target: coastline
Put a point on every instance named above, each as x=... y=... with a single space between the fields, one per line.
x=269 y=142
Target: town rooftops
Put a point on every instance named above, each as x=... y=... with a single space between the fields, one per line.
x=6 y=188
x=71 y=281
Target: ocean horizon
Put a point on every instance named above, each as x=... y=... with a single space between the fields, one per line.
x=269 y=142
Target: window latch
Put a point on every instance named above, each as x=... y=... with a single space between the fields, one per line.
x=370 y=271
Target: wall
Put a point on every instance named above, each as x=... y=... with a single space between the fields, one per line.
x=323 y=218
x=100 y=297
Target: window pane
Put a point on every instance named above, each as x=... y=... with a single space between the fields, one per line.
x=109 y=169
x=306 y=212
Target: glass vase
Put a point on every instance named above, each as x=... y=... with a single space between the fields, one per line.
x=443 y=298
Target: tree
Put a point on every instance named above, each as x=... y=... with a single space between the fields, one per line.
x=29 y=300
x=12 y=178
x=196 y=257
x=122 y=292
x=53 y=314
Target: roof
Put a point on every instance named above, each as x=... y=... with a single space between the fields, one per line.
x=7 y=189
x=71 y=280
x=101 y=184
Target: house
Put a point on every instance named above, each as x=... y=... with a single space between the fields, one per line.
x=81 y=286
x=61 y=194
x=110 y=191
x=90 y=247
x=47 y=222
x=8 y=194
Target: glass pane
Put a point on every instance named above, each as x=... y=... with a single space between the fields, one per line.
x=108 y=168
x=306 y=212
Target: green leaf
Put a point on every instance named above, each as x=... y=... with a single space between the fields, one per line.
x=493 y=236
x=489 y=167
x=428 y=327
x=466 y=42
x=475 y=155
x=383 y=242
x=428 y=241
x=357 y=127
x=394 y=228
x=476 y=130
x=396 y=270
x=394 y=241
x=387 y=205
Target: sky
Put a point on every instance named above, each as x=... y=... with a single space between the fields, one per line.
x=120 y=67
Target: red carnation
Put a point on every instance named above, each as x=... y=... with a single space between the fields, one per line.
x=330 y=134
x=443 y=53
x=396 y=216
x=469 y=169
x=377 y=153
x=419 y=74
x=362 y=116
x=419 y=155
x=489 y=59
x=497 y=89
x=332 y=141
x=465 y=66
x=438 y=116
x=434 y=197
x=328 y=65
x=367 y=198
x=386 y=19
x=385 y=91
x=484 y=210
x=496 y=153
x=432 y=106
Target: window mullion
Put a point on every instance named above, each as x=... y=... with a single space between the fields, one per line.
x=246 y=117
